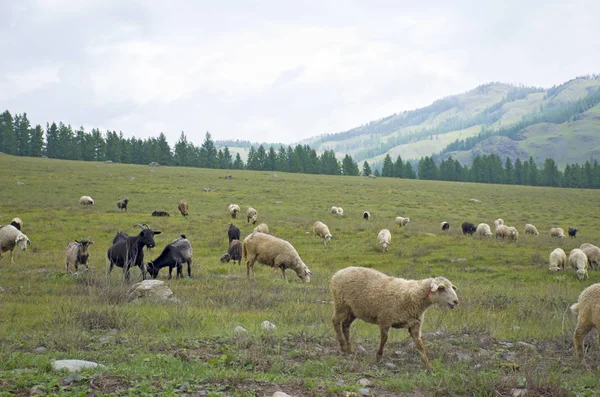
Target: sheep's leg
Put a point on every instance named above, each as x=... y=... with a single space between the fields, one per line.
x=415 y=333
x=67 y=267
x=384 y=337
x=179 y=270
x=12 y=256
x=350 y=317
x=250 y=266
x=580 y=332
x=340 y=314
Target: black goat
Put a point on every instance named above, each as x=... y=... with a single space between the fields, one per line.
x=122 y=204
x=468 y=228
x=129 y=251
x=572 y=232
x=234 y=253
x=160 y=213
x=120 y=236
x=174 y=255
x=233 y=232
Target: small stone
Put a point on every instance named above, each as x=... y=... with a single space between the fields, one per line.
x=40 y=349
x=239 y=329
x=463 y=357
x=361 y=349
x=518 y=392
x=525 y=344
x=483 y=353
x=35 y=390
x=20 y=183
x=399 y=352
x=42 y=270
x=363 y=391
x=340 y=382
x=74 y=365
x=280 y=394
x=185 y=386
x=104 y=339
x=364 y=382
x=390 y=365
x=71 y=379
x=267 y=325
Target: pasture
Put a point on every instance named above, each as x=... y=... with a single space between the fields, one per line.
x=510 y=329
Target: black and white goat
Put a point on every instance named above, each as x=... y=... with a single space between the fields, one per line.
x=77 y=254
x=175 y=254
x=129 y=251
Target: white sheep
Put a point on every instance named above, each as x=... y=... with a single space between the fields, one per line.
x=339 y=211
x=483 y=230
x=262 y=228
x=86 y=200
x=334 y=209
x=11 y=237
x=233 y=210
x=17 y=222
x=502 y=231
x=588 y=316
x=530 y=229
x=557 y=232
x=498 y=222
x=251 y=215
x=376 y=298
x=593 y=254
x=513 y=234
x=366 y=215
x=384 y=237
x=320 y=229
x=558 y=260
x=402 y=221
x=578 y=260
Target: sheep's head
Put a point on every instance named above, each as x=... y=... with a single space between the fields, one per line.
x=442 y=292
x=152 y=270
x=22 y=241
x=582 y=273
x=225 y=258
x=385 y=245
x=328 y=236
x=304 y=273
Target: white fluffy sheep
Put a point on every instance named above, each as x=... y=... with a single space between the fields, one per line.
x=11 y=237
x=17 y=222
x=77 y=254
x=530 y=229
x=86 y=200
x=251 y=215
x=233 y=209
x=384 y=237
x=513 y=234
x=593 y=254
x=587 y=309
x=483 y=230
x=320 y=229
x=366 y=215
x=578 y=260
x=498 y=222
x=262 y=228
x=558 y=260
x=401 y=221
x=339 y=211
x=557 y=232
x=376 y=298
x=275 y=252
x=334 y=209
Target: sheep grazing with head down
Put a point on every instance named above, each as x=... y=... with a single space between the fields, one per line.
x=10 y=238
x=513 y=234
x=593 y=254
x=77 y=254
x=122 y=204
x=233 y=209
x=530 y=229
x=251 y=215
x=320 y=229
x=160 y=213
x=557 y=232
x=275 y=252
x=366 y=215
x=17 y=222
x=483 y=230
x=468 y=228
x=334 y=210
x=445 y=226
x=376 y=298
x=262 y=228
x=234 y=253
x=86 y=200
x=402 y=221
x=383 y=238
x=498 y=222
x=579 y=261
x=508 y=233
x=558 y=260
x=183 y=207
x=339 y=211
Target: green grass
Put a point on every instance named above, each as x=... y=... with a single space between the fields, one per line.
x=507 y=295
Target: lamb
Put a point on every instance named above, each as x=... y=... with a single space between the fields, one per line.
x=572 y=232
x=183 y=207
x=275 y=252
x=251 y=214
x=366 y=215
x=530 y=229
x=558 y=260
x=578 y=260
x=557 y=232
x=233 y=233
x=320 y=229
x=587 y=309
x=593 y=254
x=174 y=255
x=17 y=222
x=498 y=222
x=86 y=200
x=468 y=228
x=483 y=230
x=122 y=204
x=233 y=210
x=234 y=252
x=445 y=226
x=77 y=254
x=160 y=213
x=262 y=228
x=384 y=238
x=402 y=221
x=375 y=298
x=10 y=238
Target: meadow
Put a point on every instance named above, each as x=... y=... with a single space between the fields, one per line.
x=510 y=330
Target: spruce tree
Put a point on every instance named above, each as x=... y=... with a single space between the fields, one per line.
x=366 y=171
x=7 y=133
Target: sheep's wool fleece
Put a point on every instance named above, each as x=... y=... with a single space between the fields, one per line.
x=588 y=304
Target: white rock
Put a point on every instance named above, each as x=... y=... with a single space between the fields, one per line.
x=239 y=329
x=152 y=290
x=267 y=325
x=74 y=365
x=280 y=394
x=364 y=382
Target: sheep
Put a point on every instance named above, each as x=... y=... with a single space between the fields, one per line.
x=468 y=228
x=11 y=237
x=183 y=207
x=251 y=214
x=530 y=229
x=384 y=238
x=588 y=316
x=262 y=228
x=513 y=234
x=445 y=226
x=375 y=298
x=578 y=260
x=233 y=233
x=483 y=230
x=17 y=222
x=233 y=210
x=572 y=232
x=402 y=221
x=366 y=215
x=334 y=209
x=339 y=211
x=77 y=254
x=502 y=231
x=498 y=222
x=234 y=252
x=160 y=213
x=557 y=232
x=122 y=204
x=86 y=200
x=275 y=252
x=593 y=254
x=173 y=255
x=320 y=229
x=558 y=260
x=129 y=251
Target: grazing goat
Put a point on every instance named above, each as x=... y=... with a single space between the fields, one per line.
x=122 y=204
x=160 y=213
x=572 y=232
x=183 y=207
x=129 y=251
x=175 y=254
x=233 y=232
x=234 y=253
x=77 y=254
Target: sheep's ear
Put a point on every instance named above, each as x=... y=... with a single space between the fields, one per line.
x=433 y=286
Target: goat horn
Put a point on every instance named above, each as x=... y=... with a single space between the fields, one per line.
x=147 y=227
x=141 y=226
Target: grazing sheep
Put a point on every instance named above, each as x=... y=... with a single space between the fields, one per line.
x=384 y=237
x=160 y=213
x=366 y=215
x=183 y=207
x=468 y=228
x=445 y=226
x=558 y=260
x=122 y=204
x=320 y=229
x=483 y=230
x=233 y=233
x=262 y=228
x=10 y=238
x=376 y=298
x=572 y=232
x=579 y=261
x=334 y=209
x=587 y=309
x=77 y=254
x=234 y=252
x=513 y=234
x=557 y=232
x=86 y=200
x=530 y=229
x=275 y=252
x=251 y=215
x=17 y=222
x=174 y=255
x=498 y=222
x=233 y=210
x=401 y=221
x=339 y=211
x=593 y=254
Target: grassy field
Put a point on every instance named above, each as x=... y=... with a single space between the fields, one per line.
x=510 y=329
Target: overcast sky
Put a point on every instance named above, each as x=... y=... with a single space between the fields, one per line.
x=275 y=70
